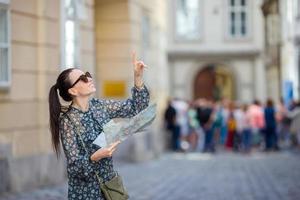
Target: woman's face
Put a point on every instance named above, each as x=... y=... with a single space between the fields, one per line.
x=81 y=88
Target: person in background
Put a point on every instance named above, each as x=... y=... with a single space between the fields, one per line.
x=283 y=123
x=239 y=117
x=204 y=113
x=224 y=111
x=246 y=135
x=231 y=126
x=257 y=121
x=194 y=126
x=171 y=126
x=294 y=115
x=217 y=117
x=181 y=107
x=270 y=127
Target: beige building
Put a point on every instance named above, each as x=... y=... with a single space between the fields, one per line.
x=38 y=39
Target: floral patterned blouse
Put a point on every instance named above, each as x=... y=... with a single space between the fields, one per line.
x=82 y=182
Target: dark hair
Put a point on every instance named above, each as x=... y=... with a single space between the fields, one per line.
x=256 y=102
x=270 y=103
x=62 y=84
x=245 y=107
x=297 y=104
x=281 y=100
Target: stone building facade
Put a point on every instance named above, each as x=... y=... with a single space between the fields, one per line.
x=282 y=48
x=290 y=43
x=222 y=56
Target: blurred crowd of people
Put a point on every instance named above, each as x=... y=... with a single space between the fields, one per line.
x=205 y=126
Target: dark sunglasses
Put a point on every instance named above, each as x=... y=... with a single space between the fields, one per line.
x=83 y=77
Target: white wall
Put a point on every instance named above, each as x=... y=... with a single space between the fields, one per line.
x=214 y=37
x=289 y=52
x=242 y=56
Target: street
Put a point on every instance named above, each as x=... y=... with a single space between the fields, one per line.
x=195 y=176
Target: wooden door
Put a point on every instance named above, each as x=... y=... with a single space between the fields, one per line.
x=204 y=84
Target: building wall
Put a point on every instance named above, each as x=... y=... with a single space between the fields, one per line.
x=87 y=38
x=242 y=57
x=297 y=42
x=272 y=48
x=282 y=56
x=290 y=44
x=155 y=56
x=25 y=143
x=113 y=56
x=242 y=70
x=119 y=31
x=214 y=38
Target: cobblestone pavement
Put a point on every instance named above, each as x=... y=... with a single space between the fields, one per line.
x=260 y=176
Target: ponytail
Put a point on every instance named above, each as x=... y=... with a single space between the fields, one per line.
x=62 y=86
x=54 y=110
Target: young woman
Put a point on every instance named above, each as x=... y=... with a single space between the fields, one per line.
x=89 y=114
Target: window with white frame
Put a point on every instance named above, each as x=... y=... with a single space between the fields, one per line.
x=238 y=17
x=298 y=9
x=187 y=19
x=71 y=29
x=4 y=45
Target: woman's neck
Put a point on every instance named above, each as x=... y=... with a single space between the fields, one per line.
x=81 y=103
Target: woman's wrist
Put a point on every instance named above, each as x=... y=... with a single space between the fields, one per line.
x=138 y=82
x=95 y=156
x=139 y=87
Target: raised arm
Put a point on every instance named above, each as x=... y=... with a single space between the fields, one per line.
x=130 y=107
x=139 y=99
